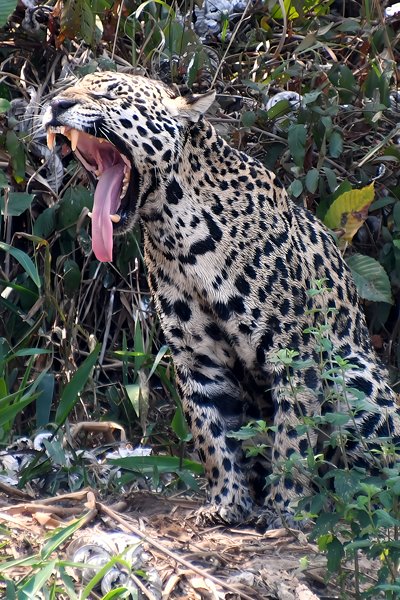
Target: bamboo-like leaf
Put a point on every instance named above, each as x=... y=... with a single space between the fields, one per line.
x=71 y=391
x=24 y=260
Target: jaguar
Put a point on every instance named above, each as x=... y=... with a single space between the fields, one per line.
x=230 y=260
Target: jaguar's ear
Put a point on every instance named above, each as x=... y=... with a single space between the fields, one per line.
x=190 y=107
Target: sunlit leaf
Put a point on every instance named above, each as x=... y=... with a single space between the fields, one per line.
x=349 y=211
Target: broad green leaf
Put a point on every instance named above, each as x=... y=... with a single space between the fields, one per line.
x=4 y=104
x=343 y=79
x=297 y=137
x=335 y=144
x=335 y=553
x=349 y=211
x=76 y=20
x=24 y=260
x=312 y=179
x=71 y=392
x=7 y=7
x=330 y=178
x=3 y=180
x=371 y=279
x=295 y=188
x=70 y=207
x=248 y=118
x=346 y=484
x=279 y=109
x=324 y=524
x=18 y=202
x=72 y=277
x=45 y=224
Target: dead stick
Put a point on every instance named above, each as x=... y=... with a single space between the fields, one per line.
x=171 y=554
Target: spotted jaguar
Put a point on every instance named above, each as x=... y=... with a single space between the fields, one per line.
x=230 y=261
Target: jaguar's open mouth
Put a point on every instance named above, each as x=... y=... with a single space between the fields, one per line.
x=113 y=171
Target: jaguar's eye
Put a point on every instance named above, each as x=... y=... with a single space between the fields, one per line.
x=102 y=96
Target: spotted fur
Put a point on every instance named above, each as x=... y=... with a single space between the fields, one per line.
x=230 y=259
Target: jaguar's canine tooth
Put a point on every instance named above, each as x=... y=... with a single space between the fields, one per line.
x=51 y=138
x=89 y=215
x=74 y=137
x=115 y=218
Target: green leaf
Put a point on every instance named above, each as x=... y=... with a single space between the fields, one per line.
x=371 y=279
x=335 y=553
x=7 y=7
x=324 y=524
x=72 y=277
x=312 y=179
x=45 y=399
x=384 y=519
x=295 y=188
x=24 y=260
x=248 y=118
x=346 y=484
x=343 y=79
x=165 y=464
x=133 y=393
x=179 y=425
x=71 y=392
x=279 y=109
x=335 y=144
x=297 y=137
x=34 y=585
x=18 y=202
x=12 y=409
x=70 y=207
x=4 y=104
x=16 y=151
x=45 y=224
x=59 y=536
x=160 y=355
x=331 y=178
x=3 y=180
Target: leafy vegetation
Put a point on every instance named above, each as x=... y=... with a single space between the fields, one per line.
x=79 y=339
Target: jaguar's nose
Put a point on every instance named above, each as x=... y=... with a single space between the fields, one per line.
x=55 y=109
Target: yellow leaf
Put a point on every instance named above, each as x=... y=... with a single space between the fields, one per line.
x=348 y=212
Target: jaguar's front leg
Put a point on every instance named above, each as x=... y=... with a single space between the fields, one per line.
x=213 y=405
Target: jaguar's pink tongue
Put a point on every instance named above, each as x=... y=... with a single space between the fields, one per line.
x=106 y=202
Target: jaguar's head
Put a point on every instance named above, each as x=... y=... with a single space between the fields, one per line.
x=121 y=126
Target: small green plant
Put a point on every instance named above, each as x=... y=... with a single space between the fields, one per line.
x=353 y=511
